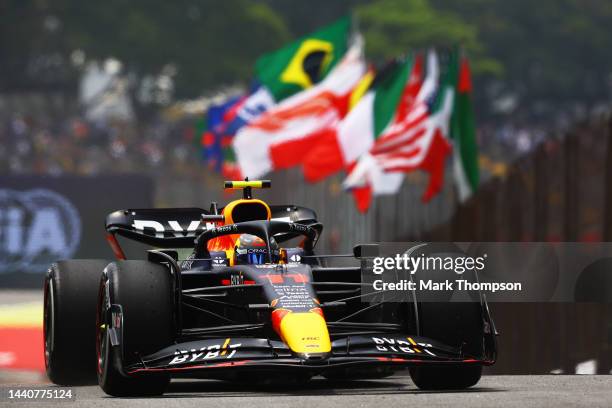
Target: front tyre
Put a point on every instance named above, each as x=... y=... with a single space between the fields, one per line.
x=446 y=377
x=459 y=325
x=135 y=318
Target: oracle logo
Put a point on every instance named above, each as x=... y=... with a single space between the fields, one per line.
x=37 y=227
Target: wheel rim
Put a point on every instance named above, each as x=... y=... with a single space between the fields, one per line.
x=101 y=328
x=48 y=320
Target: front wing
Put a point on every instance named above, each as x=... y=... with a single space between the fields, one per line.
x=263 y=354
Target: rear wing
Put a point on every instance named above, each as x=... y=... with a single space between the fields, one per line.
x=178 y=227
x=164 y=228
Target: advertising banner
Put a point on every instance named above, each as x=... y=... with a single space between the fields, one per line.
x=47 y=218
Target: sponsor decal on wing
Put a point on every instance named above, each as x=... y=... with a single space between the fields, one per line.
x=211 y=352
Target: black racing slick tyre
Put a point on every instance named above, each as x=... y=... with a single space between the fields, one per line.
x=459 y=325
x=446 y=377
x=69 y=323
x=136 y=302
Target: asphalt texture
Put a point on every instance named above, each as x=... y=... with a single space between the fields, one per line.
x=397 y=391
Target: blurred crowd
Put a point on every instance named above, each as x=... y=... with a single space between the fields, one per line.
x=42 y=144
x=510 y=140
x=52 y=143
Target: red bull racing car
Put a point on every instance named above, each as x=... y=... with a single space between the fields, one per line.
x=252 y=297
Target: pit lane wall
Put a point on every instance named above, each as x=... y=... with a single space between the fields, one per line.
x=46 y=218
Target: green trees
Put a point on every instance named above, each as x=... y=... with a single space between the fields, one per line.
x=210 y=43
x=552 y=51
x=392 y=27
x=548 y=54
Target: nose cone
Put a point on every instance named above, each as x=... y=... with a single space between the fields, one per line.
x=305 y=333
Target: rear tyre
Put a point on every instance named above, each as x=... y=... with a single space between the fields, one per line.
x=144 y=292
x=69 y=323
x=452 y=377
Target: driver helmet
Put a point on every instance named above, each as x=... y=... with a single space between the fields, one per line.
x=251 y=250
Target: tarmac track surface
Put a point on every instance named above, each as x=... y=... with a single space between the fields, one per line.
x=397 y=391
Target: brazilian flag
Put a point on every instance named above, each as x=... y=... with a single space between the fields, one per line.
x=304 y=62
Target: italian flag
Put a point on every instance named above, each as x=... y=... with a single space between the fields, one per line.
x=411 y=141
x=463 y=135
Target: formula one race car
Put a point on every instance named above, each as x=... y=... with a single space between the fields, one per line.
x=242 y=303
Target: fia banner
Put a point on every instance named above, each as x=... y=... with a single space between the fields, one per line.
x=48 y=218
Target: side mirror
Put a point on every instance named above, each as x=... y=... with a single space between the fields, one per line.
x=366 y=250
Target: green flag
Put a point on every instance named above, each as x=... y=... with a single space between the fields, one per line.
x=304 y=62
x=463 y=134
x=388 y=92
